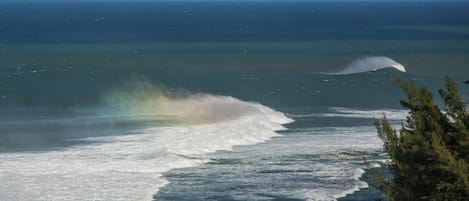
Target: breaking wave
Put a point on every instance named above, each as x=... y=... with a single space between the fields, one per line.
x=130 y=167
x=370 y=64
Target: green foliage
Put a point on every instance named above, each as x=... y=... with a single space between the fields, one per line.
x=430 y=154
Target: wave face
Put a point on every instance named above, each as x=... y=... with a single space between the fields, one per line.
x=129 y=167
x=371 y=64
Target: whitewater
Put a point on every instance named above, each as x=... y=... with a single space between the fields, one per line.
x=181 y=132
x=130 y=167
x=263 y=100
x=371 y=63
x=184 y=130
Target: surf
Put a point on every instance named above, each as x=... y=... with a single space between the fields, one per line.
x=130 y=166
x=368 y=64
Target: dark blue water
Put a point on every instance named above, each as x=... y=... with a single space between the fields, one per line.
x=60 y=61
x=128 y=22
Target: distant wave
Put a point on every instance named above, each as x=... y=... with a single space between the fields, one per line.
x=370 y=64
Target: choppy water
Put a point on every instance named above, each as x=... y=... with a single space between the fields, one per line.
x=210 y=101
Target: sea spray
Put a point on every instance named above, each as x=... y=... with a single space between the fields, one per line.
x=130 y=166
x=370 y=64
x=143 y=98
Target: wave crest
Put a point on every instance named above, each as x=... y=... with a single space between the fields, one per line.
x=144 y=99
x=371 y=64
x=139 y=158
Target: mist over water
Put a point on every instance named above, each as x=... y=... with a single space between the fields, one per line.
x=240 y=115
x=136 y=159
x=141 y=98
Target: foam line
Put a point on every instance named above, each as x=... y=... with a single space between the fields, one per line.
x=391 y=114
x=129 y=167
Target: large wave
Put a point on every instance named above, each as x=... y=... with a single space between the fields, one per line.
x=129 y=167
x=145 y=99
x=370 y=64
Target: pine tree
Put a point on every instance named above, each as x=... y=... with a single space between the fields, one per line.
x=429 y=155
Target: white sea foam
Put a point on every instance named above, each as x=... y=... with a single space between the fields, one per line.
x=130 y=167
x=331 y=194
x=346 y=182
x=328 y=140
x=391 y=114
x=332 y=156
x=370 y=64
x=357 y=173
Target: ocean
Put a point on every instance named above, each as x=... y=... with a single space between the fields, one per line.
x=237 y=100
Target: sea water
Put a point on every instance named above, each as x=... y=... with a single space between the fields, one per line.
x=210 y=101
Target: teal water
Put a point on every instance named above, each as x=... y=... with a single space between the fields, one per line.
x=211 y=101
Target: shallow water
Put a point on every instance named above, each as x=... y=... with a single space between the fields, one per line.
x=210 y=101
